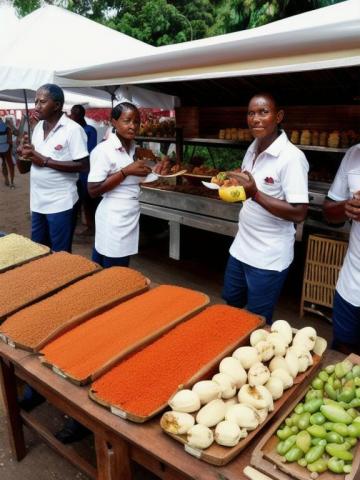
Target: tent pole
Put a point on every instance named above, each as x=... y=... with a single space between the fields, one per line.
x=27 y=112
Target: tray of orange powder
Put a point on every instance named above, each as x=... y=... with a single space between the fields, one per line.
x=87 y=351
x=219 y=455
x=40 y=278
x=36 y=325
x=17 y=250
x=139 y=387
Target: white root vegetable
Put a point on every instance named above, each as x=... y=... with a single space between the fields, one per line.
x=200 y=436
x=284 y=376
x=279 y=343
x=254 y=396
x=185 y=401
x=258 y=335
x=263 y=413
x=247 y=356
x=177 y=422
x=278 y=362
x=228 y=433
x=305 y=337
x=230 y=402
x=293 y=363
x=243 y=415
x=226 y=383
x=275 y=387
x=283 y=328
x=233 y=367
x=212 y=413
x=207 y=390
x=265 y=350
x=302 y=356
x=320 y=346
x=258 y=374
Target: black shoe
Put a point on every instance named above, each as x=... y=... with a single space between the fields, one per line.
x=72 y=433
x=29 y=403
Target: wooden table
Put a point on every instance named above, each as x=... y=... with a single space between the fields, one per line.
x=117 y=441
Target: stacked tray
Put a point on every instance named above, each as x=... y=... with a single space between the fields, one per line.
x=34 y=281
x=139 y=387
x=16 y=250
x=34 y=326
x=92 y=348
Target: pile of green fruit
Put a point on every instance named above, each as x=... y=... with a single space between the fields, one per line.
x=322 y=431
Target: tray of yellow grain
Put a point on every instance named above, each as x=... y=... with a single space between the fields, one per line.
x=36 y=280
x=17 y=250
x=36 y=325
x=92 y=348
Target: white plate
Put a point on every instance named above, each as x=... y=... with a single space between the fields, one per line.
x=212 y=186
x=152 y=177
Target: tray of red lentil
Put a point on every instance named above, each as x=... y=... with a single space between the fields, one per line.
x=90 y=349
x=139 y=387
x=36 y=325
x=40 y=278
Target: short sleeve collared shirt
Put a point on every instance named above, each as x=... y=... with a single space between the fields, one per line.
x=52 y=191
x=264 y=240
x=346 y=183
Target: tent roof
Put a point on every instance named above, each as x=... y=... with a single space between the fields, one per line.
x=325 y=38
x=53 y=38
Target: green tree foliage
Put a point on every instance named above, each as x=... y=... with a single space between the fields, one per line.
x=163 y=22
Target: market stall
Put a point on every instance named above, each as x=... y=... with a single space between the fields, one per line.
x=310 y=61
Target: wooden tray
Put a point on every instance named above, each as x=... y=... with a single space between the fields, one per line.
x=208 y=370
x=75 y=321
x=28 y=260
x=266 y=459
x=219 y=455
x=131 y=349
x=48 y=293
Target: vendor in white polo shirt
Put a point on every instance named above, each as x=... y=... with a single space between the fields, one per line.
x=57 y=153
x=343 y=203
x=276 y=186
x=116 y=175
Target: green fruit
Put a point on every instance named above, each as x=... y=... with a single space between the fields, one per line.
x=304 y=420
x=341 y=429
x=294 y=454
x=336 y=413
x=323 y=375
x=284 y=433
x=303 y=441
x=330 y=391
x=317 y=431
x=330 y=369
x=333 y=437
x=313 y=405
x=317 y=383
x=319 y=466
x=317 y=419
x=335 y=465
x=339 y=451
x=314 y=453
x=299 y=409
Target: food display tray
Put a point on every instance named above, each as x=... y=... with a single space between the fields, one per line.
x=46 y=251
x=75 y=321
x=208 y=370
x=266 y=459
x=219 y=455
x=125 y=352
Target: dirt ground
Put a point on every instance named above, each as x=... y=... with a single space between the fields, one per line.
x=201 y=267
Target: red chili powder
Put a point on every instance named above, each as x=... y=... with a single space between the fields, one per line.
x=145 y=381
x=83 y=350
x=32 y=325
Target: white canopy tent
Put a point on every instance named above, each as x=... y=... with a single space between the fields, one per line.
x=53 y=38
x=324 y=38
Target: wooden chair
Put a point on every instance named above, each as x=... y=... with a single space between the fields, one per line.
x=324 y=259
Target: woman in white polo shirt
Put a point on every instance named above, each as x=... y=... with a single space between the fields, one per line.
x=58 y=153
x=116 y=176
x=343 y=203
x=276 y=186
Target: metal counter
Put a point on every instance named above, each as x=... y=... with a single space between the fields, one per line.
x=192 y=210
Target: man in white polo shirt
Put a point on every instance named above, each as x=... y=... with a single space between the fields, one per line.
x=343 y=203
x=58 y=153
x=276 y=185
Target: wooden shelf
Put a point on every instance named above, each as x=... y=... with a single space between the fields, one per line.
x=216 y=142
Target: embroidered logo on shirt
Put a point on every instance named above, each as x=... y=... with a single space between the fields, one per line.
x=269 y=180
x=120 y=149
x=59 y=147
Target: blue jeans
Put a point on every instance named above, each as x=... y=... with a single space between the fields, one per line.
x=107 y=262
x=346 y=323
x=55 y=230
x=252 y=288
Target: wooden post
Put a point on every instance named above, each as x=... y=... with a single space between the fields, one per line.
x=14 y=422
x=113 y=459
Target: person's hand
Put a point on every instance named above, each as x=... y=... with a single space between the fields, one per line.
x=352 y=207
x=137 y=168
x=246 y=180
